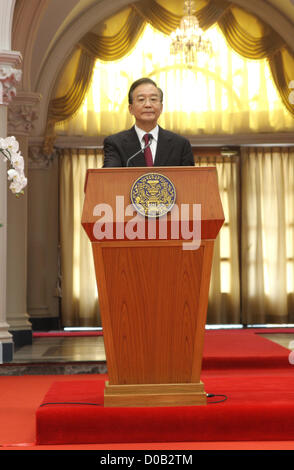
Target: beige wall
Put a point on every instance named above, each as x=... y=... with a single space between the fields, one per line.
x=43 y=238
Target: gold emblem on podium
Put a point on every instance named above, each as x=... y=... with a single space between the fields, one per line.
x=153 y=195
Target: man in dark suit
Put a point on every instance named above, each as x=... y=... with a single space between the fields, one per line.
x=163 y=148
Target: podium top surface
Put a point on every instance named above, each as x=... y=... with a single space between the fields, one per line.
x=131 y=173
x=193 y=185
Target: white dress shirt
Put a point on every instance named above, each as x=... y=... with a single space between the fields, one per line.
x=153 y=145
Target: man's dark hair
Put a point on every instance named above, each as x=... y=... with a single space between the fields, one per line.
x=141 y=81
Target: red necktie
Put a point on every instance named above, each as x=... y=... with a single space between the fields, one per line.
x=147 y=152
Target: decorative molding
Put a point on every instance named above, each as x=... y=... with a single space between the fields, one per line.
x=19 y=321
x=38 y=160
x=9 y=75
x=244 y=140
x=23 y=112
x=79 y=141
x=200 y=140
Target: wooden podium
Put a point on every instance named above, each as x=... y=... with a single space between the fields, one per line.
x=153 y=294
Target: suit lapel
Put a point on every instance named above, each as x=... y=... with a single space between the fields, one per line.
x=163 y=148
x=130 y=142
x=131 y=145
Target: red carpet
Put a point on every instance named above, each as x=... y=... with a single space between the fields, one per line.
x=253 y=373
x=257 y=408
x=54 y=334
x=242 y=348
x=20 y=396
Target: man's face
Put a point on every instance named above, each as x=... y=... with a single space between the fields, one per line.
x=146 y=106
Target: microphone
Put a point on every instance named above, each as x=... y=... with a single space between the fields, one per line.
x=141 y=150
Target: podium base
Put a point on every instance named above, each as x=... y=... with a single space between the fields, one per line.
x=183 y=394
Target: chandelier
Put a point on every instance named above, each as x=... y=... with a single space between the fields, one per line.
x=187 y=41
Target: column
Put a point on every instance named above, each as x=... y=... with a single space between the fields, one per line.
x=9 y=76
x=22 y=113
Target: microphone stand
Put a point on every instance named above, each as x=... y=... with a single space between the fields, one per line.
x=141 y=150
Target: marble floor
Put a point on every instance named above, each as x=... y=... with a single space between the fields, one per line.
x=91 y=349
x=62 y=349
x=66 y=355
x=284 y=339
x=58 y=355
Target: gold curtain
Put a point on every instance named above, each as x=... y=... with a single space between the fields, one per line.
x=65 y=106
x=224 y=295
x=268 y=235
x=228 y=95
x=266 y=274
x=80 y=306
x=258 y=289
x=246 y=34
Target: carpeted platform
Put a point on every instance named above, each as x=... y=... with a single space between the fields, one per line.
x=257 y=408
x=253 y=373
x=241 y=348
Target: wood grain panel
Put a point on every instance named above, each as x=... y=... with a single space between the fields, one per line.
x=152 y=395
x=152 y=307
x=153 y=294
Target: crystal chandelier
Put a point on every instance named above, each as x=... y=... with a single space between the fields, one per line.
x=188 y=41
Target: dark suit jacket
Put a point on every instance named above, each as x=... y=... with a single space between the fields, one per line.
x=172 y=150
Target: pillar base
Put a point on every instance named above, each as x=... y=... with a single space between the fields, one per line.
x=6 y=352
x=21 y=337
x=179 y=394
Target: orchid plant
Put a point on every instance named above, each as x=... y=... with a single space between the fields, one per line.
x=9 y=148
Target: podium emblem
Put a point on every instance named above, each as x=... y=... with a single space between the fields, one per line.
x=153 y=195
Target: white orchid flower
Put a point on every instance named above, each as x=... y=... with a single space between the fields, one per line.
x=17 y=161
x=18 y=183
x=12 y=173
x=9 y=149
x=11 y=144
